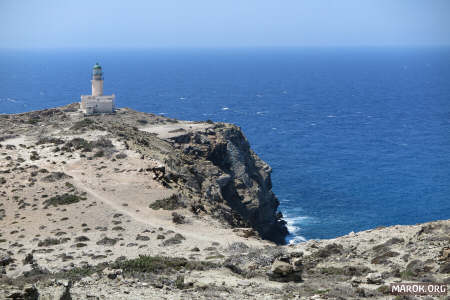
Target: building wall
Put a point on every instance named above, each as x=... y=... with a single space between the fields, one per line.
x=97 y=87
x=97 y=104
x=104 y=106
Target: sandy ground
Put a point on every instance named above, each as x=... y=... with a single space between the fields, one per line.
x=166 y=131
x=117 y=206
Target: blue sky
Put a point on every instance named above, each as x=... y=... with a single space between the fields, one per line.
x=227 y=23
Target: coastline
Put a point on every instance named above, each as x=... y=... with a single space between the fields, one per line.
x=138 y=204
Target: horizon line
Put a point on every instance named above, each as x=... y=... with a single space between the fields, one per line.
x=231 y=47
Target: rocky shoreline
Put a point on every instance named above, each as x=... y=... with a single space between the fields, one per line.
x=139 y=206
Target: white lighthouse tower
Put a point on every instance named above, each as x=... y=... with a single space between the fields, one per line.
x=97 y=80
x=97 y=102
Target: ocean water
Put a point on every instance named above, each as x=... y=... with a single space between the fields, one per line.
x=356 y=137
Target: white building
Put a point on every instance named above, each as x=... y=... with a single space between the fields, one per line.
x=97 y=102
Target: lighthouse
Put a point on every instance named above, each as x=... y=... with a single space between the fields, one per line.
x=97 y=102
x=97 y=80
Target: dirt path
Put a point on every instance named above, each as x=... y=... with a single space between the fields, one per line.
x=203 y=231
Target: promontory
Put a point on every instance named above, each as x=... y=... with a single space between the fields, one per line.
x=134 y=205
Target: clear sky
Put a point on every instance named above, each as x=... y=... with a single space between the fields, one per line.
x=225 y=23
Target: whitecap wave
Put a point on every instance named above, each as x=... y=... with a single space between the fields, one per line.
x=9 y=100
x=225 y=108
x=293 y=225
x=297 y=239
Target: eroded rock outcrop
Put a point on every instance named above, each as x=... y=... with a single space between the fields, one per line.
x=210 y=165
x=216 y=171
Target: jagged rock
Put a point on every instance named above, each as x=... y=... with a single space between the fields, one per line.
x=28 y=259
x=177 y=218
x=112 y=273
x=445 y=254
x=282 y=268
x=5 y=260
x=223 y=180
x=445 y=268
x=356 y=280
x=284 y=272
x=30 y=292
x=15 y=295
x=33 y=270
x=374 y=278
x=245 y=232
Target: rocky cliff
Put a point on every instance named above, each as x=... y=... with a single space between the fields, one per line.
x=213 y=169
x=210 y=166
x=139 y=206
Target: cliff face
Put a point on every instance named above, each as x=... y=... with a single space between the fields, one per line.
x=231 y=179
x=215 y=172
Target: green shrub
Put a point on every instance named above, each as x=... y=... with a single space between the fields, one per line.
x=33 y=120
x=169 y=203
x=159 y=264
x=179 y=282
x=218 y=256
x=384 y=258
x=49 y=242
x=86 y=146
x=100 y=153
x=50 y=140
x=103 y=142
x=78 y=144
x=121 y=156
x=78 y=273
x=64 y=199
x=69 y=185
x=34 y=155
x=384 y=289
x=82 y=124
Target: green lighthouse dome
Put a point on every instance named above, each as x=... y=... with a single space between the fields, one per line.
x=97 y=66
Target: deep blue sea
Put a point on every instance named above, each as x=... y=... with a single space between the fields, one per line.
x=356 y=137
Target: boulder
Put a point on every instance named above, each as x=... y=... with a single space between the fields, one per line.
x=374 y=278
x=282 y=268
x=245 y=232
x=285 y=272
x=112 y=273
x=445 y=254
